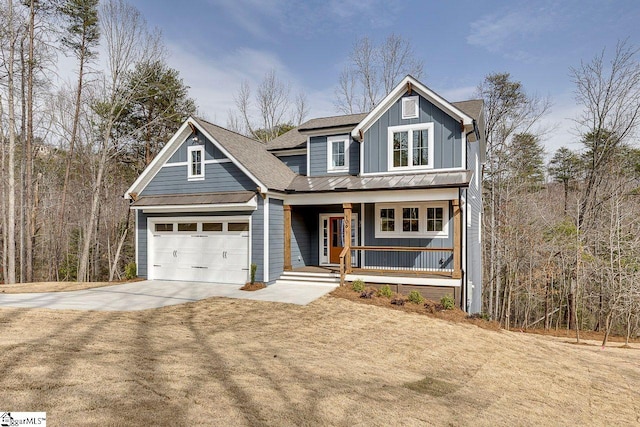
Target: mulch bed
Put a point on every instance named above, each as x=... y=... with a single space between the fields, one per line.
x=428 y=307
x=255 y=286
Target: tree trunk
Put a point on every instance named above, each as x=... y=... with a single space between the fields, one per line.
x=116 y=258
x=11 y=205
x=74 y=132
x=29 y=149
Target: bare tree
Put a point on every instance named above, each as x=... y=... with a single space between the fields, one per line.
x=272 y=106
x=127 y=41
x=9 y=60
x=610 y=96
x=373 y=72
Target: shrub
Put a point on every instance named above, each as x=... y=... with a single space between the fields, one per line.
x=130 y=271
x=357 y=285
x=254 y=268
x=415 y=297
x=447 y=302
x=385 y=291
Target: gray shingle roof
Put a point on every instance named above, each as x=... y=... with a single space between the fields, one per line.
x=253 y=155
x=304 y=184
x=195 y=199
x=295 y=139
x=332 y=122
x=291 y=139
x=471 y=108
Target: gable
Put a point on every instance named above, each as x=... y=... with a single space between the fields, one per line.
x=220 y=173
x=218 y=146
x=446 y=146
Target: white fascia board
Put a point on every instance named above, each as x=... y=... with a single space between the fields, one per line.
x=165 y=154
x=338 y=130
x=285 y=153
x=251 y=205
x=263 y=188
x=436 y=194
x=396 y=93
x=308 y=156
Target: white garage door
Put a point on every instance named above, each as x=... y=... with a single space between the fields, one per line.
x=200 y=250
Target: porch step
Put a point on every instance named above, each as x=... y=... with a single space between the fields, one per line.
x=310 y=278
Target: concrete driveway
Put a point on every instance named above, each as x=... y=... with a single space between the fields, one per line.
x=155 y=293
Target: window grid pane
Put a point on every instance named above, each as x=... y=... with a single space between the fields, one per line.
x=188 y=226
x=387 y=220
x=410 y=219
x=212 y=226
x=435 y=220
x=337 y=149
x=420 y=148
x=164 y=227
x=196 y=163
x=400 y=149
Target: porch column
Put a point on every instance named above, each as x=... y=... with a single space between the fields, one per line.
x=457 y=240
x=287 y=237
x=347 y=235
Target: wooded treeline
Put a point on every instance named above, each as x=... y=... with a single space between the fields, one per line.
x=70 y=149
x=562 y=241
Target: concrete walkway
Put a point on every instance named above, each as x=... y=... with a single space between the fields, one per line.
x=155 y=293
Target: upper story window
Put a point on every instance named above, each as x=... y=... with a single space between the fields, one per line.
x=411 y=146
x=338 y=153
x=196 y=162
x=410 y=107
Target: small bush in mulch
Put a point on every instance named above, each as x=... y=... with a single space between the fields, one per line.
x=385 y=291
x=253 y=286
x=399 y=302
x=357 y=285
x=447 y=302
x=415 y=297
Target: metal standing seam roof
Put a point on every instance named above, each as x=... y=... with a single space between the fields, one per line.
x=253 y=155
x=304 y=184
x=195 y=199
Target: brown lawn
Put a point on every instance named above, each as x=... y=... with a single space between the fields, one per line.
x=334 y=362
x=27 y=288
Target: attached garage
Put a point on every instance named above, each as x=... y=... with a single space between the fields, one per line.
x=199 y=249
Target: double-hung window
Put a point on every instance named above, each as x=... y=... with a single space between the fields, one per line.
x=338 y=153
x=412 y=220
x=411 y=146
x=196 y=163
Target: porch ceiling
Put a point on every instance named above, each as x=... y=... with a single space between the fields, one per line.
x=304 y=184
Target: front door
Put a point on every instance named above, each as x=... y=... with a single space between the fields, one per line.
x=332 y=238
x=336 y=239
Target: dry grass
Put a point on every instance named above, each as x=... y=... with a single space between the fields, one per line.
x=334 y=362
x=36 y=287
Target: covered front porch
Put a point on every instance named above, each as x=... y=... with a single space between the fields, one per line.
x=344 y=239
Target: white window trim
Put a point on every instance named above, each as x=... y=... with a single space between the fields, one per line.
x=416 y=102
x=422 y=232
x=409 y=129
x=190 y=150
x=347 y=143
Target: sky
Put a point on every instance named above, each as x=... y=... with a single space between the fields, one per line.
x=217 y=44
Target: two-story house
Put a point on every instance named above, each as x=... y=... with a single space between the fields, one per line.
x=390 y=197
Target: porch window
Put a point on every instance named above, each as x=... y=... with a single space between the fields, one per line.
x=435 y=219
x=338 y=153
x=411 y=147
x=410 y=220
x=416 y=220
x=387 y=220
x=196 y=163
